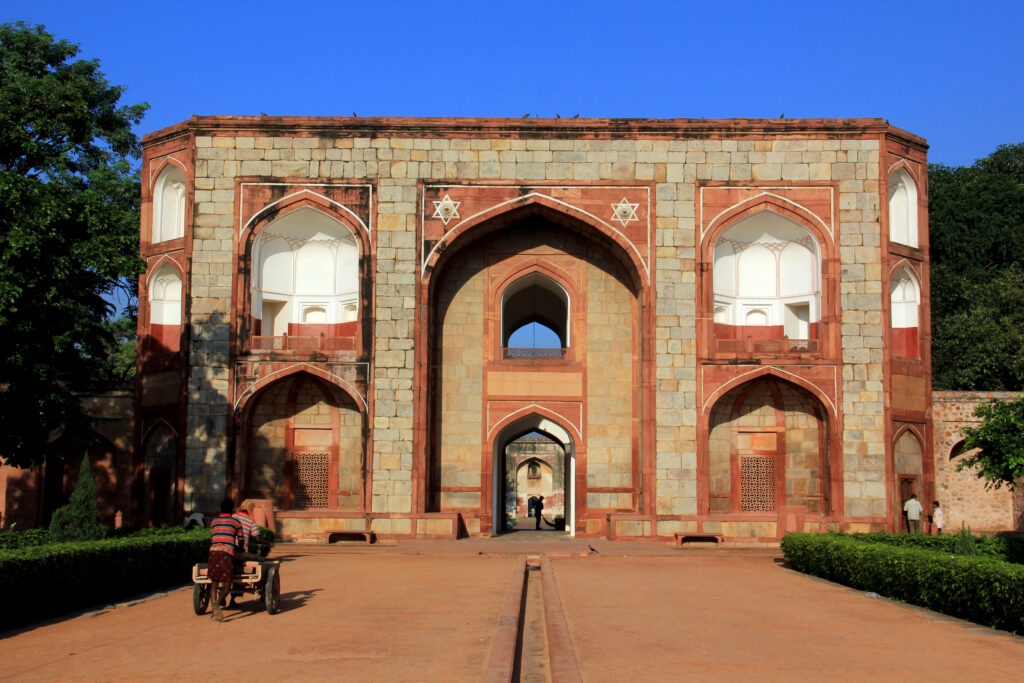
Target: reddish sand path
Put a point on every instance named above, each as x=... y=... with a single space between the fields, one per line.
x=384 y=614
x=734 y=618
x=344 y=616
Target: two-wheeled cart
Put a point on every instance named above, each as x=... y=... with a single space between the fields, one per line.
x=261 y=578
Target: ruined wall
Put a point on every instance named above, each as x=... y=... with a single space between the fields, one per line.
x=962 y=495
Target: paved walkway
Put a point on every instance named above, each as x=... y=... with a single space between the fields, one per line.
x=430 y=611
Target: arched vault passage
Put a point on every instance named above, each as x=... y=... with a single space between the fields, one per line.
x=543 y=208
x=533 y=422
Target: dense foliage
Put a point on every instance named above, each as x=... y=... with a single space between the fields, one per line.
x=981 y=589
x=1009 y=547
x=68 y=235
x=54 y=579
x=976 y=228
x=1000 y=440
x=79 y=520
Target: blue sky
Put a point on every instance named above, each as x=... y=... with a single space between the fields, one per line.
x=948 y=71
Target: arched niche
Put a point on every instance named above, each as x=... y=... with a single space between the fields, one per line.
x=305 y=280
x=905 y=302
x=902 y=208
x=165 y=295
x=767 y=448
x=169 y=204
x=303 y=446
x=767 y=279
x=535 y=298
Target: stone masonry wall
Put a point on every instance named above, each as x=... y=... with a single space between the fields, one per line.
x=396 y=165
x=962 y=495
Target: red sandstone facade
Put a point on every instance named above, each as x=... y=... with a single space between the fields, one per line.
x=741 y=310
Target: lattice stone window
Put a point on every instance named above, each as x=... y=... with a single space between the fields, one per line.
x=312 y=476
x=757 y=484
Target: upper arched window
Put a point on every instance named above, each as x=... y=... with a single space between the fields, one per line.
x=905 y=300
x=767 y=274
x=902 y=209
x=165 y=308
x=533 y=308
x=305 y=276
x=169 y=204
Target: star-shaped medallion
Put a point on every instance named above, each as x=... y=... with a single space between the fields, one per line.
x=624 y=212
x=446 y=210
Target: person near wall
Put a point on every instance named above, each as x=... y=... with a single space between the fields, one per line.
x=938 y=518
x=220 y=568
x=249 y=533
x=538 y=509
x=913 y=509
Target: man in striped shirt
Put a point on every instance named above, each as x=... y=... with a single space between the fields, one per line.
x=219 y=568
x=250 y=530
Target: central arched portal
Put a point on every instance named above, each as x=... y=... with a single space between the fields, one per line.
x=534 y=328
x=533 y=457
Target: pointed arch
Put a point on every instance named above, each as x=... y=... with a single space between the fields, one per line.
x=780 y=373
x=158 y=165
x=555 y=210
x=539 y=412
x=305 y=198
x=902 y=207
x=156 y=423
x=768 y=201
x=905 y=311
x=168 y=221
x=243 y=399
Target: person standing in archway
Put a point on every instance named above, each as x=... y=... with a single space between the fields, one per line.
x=538 y=509
x=913 y=509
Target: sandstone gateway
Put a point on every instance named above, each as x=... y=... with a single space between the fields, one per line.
x=737 y=314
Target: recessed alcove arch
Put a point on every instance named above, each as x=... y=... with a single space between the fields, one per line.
x=902 y=208
x=905 y=302
x=767 y=276
x=165 y=314
x=305 y=276
x=169 y=204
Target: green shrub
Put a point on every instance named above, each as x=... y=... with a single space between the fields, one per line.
x=965 y=544
x=1006 y=546
x=981 y=589
x=44 y=581
x=79 y=520
x=13 y=540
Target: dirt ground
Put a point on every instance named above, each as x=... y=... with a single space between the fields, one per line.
x=409 y=614
x=705 y=618
x=357 y=617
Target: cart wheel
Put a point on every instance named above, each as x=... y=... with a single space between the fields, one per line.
x=272 y=593
x=200 y=597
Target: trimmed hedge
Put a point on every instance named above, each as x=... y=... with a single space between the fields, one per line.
x=43 y=581
x=984 y=590
x=1009 y=547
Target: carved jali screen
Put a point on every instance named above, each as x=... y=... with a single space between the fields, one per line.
x=757 y=484
x=312 y=480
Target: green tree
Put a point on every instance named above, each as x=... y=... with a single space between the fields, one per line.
x=79 y=520
x=69 y=202
x=976 y=225
x=1000 y=440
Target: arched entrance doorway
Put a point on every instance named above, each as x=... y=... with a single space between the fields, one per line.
x=534 y=270
x=534 y=456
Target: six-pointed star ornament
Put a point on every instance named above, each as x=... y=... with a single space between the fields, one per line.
x=624 y=212
x=446 y=210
